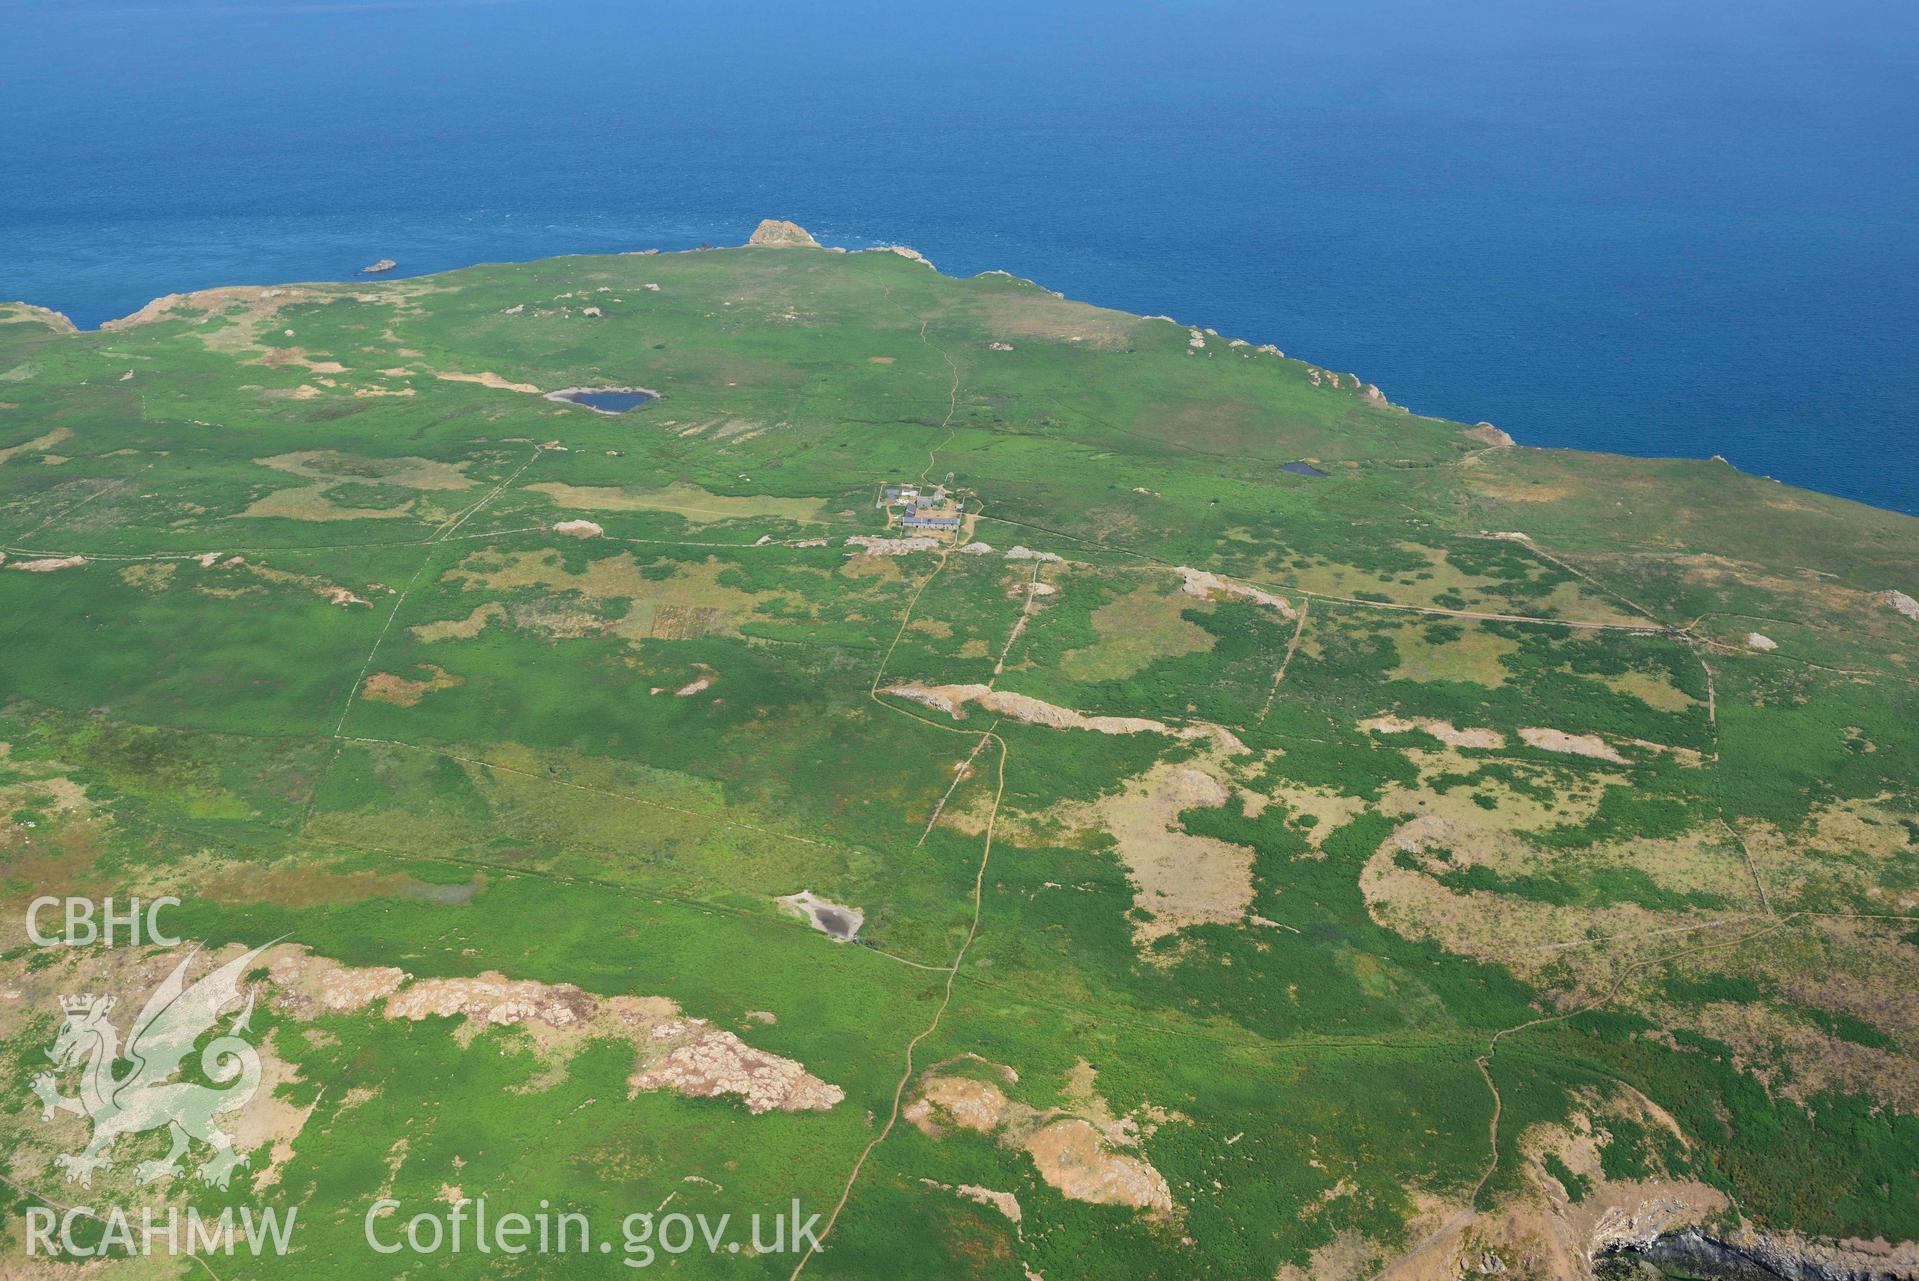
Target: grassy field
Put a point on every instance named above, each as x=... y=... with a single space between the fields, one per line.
x=1262 y=874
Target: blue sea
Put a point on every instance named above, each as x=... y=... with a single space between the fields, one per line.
x=1676 y=227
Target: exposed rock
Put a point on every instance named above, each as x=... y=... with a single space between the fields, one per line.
x=24 y=311
x=1203 y=583
x=1487 y=434
x=777 y=233
x=205 y=304
x=578 y=529
x=688 y=1055
x=375 y=268
x=872 y=546
x=1071 y=1158
x=967 y=1103
x=1901 y=602
x=1749 y=1254
x=1005 y=1202
x=1764 y=644
x=308 y=983
x=718 y=1062
x=493 y=1000
x=1554 y=740
x=912 y=255
x=1617 y=1217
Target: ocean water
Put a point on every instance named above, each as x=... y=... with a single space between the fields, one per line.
x=1657 y=228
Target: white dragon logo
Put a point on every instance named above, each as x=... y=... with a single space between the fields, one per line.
x=143 y=1099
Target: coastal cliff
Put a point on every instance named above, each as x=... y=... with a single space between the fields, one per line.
x=1750 y=1254
x=26 y=312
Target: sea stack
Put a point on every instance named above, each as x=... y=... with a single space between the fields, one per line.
x=374 y=269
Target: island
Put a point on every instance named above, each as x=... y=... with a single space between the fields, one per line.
x=1055 y=793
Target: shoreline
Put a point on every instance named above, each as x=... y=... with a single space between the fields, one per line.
x=355 y=280
x=782 y=230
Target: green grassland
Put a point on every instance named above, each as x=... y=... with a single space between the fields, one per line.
x=1458 y=865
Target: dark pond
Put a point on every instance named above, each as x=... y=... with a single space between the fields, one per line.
x=1301 y=469
x=838 y=924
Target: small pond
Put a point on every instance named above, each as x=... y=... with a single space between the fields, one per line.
x=1301 y=469
x=607 y=400
x=835 y=920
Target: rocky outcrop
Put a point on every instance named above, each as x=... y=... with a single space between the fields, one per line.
x=202 y=305
x=375 y=268
x=777 y=233
x=26 y=312
x=1487 y=434
x=873 y=546
x=1204 y=584
x=676 y=1052
x=1752 y=1255
x=911 y=255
